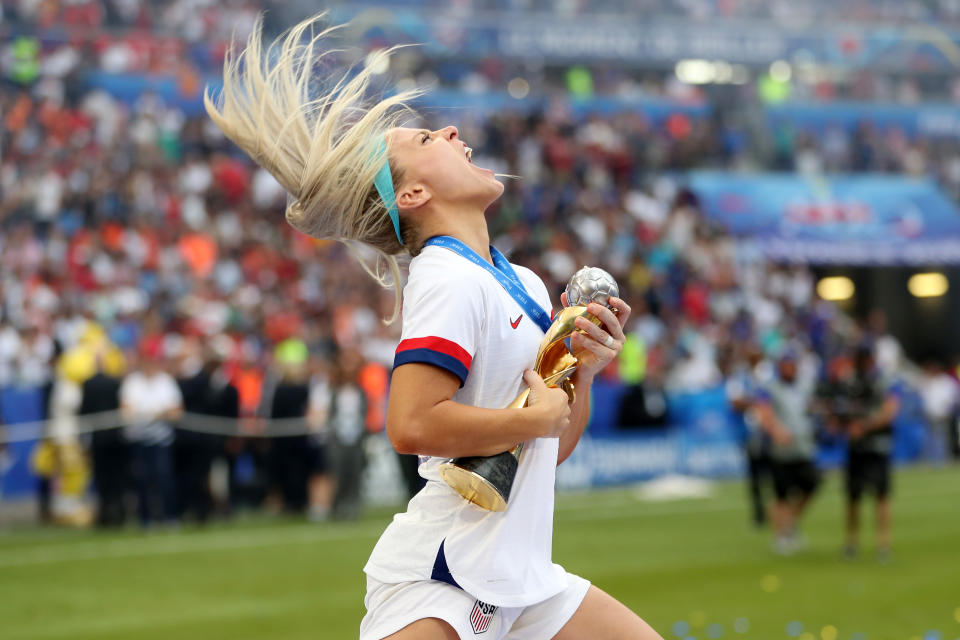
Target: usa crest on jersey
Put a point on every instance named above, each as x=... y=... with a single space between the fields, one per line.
x=481 y=616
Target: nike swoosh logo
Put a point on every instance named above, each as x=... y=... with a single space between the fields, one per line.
x=516 y=323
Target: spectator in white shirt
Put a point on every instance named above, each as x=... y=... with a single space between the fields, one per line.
x=150 y=401
x=940 y=394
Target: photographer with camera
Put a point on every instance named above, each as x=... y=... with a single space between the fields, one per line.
x=862 y=408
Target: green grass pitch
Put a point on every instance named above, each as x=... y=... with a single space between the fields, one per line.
x=696 y=562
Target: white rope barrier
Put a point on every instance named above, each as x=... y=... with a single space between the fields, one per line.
x=250 y=427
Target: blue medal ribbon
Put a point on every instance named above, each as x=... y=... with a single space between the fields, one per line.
x=502 y=270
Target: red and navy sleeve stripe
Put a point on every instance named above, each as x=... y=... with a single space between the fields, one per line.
x=441 y=352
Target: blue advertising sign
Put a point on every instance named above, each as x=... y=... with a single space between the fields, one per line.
x=625 y=459
x=928 y=120
x=851 y=220
x=19 y=405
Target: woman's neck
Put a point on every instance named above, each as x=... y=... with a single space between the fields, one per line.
x=468 y=229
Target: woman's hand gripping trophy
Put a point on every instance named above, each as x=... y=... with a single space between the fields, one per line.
x=574 y=340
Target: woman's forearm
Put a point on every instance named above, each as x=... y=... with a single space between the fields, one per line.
x=579 y=416
x=450 y=430
x=423 y=418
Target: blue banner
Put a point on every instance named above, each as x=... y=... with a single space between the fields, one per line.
x=19 y=405
x=851 y=220
x=625 y=459
x=928 y=120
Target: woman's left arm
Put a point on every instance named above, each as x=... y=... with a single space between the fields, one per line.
x=595 y=348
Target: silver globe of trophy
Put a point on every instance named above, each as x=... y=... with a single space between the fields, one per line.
x=487 y=480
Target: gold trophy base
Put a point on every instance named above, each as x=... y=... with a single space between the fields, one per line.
x=485 y=481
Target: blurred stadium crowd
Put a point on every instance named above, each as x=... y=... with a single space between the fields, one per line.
x=141 y=231
x=172 y=13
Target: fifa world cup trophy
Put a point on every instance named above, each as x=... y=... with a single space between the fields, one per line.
x=486 y=480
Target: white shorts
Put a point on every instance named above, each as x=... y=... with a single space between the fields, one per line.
x=391 y=607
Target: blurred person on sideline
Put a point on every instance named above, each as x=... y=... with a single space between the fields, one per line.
x=248 y=459
x=6 y=460
x=783 y=410
x=863 y=410
x=410 y=471
x=644 y=404
x=940 y=393
x=347 y=427
x=70 y=473
x=290 y=455
x=744 y=382
x=197 y=442
x=43 y=464
x=222 y=403
x=955 y=424
x=888 y=353
x=110 y=451
x=150 y=401
x=71 y=470
x=320 y=484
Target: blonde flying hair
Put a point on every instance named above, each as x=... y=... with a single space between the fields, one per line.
x=322 y=138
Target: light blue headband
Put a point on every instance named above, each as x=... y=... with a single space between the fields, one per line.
x=384 y=185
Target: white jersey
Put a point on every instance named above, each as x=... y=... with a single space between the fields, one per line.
x=458 y=317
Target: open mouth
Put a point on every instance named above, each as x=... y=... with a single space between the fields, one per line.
x=468 y=152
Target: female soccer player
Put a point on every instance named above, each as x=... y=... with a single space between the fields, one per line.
x=472 y=323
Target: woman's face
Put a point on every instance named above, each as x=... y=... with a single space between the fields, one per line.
x=436 y=167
